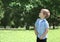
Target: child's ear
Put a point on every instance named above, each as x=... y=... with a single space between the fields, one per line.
x=45 y=15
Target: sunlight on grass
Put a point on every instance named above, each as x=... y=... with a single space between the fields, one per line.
x=26 y=36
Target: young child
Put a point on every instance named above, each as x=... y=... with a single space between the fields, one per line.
x=42 y=25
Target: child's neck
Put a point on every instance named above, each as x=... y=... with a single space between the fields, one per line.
x=42 y=18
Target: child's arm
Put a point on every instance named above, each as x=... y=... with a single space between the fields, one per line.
x=35 y=31
x=44 y=34
x=46 y=30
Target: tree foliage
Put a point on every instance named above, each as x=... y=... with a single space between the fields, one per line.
x=17 y=13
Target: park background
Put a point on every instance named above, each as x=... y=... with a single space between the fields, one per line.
x=17 y=18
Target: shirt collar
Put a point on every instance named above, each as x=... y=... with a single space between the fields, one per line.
x=41 y=20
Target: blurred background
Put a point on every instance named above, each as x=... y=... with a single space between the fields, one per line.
x=22 y=14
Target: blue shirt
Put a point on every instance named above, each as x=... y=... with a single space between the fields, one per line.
x=41 y=25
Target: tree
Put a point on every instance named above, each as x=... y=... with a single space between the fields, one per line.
x=20 y=12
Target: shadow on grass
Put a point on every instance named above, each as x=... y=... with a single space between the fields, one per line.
x=14 y=29
x=54 y=29
x=22 y=29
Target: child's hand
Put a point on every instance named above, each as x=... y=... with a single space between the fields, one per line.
x=36 y=32
x=41 y=37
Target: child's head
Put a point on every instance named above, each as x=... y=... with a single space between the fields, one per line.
x=44 y=13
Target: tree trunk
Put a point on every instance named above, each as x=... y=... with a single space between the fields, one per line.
x=53 y=26
x=27 y=27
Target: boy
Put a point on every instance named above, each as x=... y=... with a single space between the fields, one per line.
x=41 y=25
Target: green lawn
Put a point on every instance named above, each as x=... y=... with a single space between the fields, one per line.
x=27 y=36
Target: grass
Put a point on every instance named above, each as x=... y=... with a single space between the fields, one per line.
x=27 y=36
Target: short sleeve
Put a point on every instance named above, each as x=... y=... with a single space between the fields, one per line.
x=46 y=25
x=36 y=23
